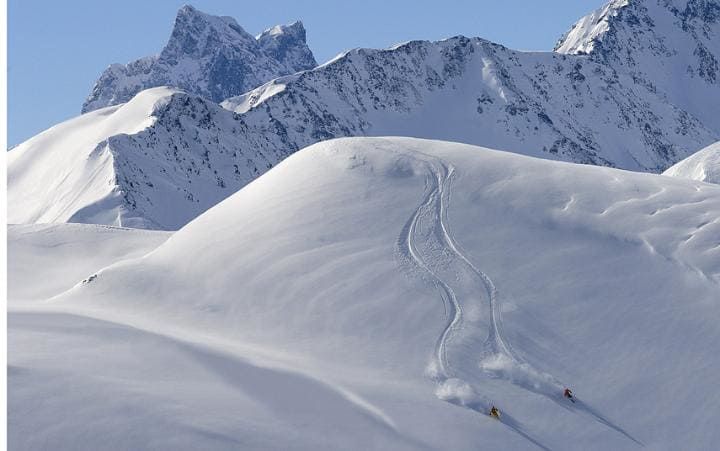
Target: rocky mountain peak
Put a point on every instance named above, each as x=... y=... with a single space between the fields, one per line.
x=288 y=43
x=211 y=56
x=196 y=33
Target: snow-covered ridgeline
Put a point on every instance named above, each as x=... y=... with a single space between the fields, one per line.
x=189 y=154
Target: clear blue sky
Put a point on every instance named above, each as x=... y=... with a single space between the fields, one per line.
x=56 y=49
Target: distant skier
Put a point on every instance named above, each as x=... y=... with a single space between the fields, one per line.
x=568 y=394
x=494 y=412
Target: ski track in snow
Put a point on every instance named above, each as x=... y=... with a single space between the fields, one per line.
x=434 y=209
x=426 y=243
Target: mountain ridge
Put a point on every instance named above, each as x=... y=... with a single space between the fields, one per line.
x=553 y=105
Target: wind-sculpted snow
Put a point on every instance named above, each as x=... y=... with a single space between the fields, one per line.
x=400 y=274
x=209 y=56
x=69 y=172
x=703 y=165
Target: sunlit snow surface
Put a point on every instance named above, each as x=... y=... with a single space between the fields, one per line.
x=703 y=165
x=382 y=293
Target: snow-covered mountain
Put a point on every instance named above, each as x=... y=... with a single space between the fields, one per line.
x=703 y=165
x=155 y=162
x=634 y=85
x=670 y=46
x=416 y=283
x=548 y=105
x=189 y=153
x=210 y=56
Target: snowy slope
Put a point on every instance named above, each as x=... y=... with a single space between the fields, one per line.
x=381 y=294
x=703 y=165
x=588 y=32
x=46 y=259
x=210 y=56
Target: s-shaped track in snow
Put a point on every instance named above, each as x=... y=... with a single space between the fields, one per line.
x=471 y=346
x=473 y=330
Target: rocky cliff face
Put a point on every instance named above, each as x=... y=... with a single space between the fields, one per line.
x=209 y=56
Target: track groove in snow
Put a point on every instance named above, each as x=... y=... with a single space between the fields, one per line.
x=427 y=243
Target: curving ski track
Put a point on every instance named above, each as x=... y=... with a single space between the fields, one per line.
x=426 y=242
x=426 y=245
x=453 y=309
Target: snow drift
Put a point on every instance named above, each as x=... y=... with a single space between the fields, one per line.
x=703 y=165
x=46 y=259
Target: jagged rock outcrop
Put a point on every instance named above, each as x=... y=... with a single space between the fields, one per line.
x=209 y=56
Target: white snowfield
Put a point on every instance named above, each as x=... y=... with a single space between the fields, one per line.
x=46 y=259
x=703 y=165
x=384 y=293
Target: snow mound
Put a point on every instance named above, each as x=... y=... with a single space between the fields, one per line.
x=703 y=165
x=46 y=259
x=418 y=282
